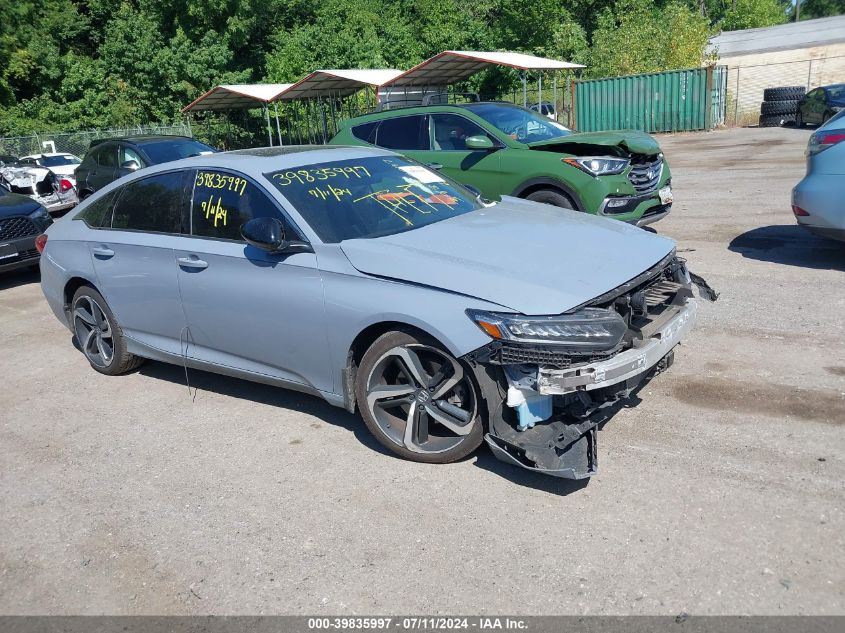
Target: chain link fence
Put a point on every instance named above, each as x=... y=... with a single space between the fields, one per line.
x=745 y=84
x=77 y=142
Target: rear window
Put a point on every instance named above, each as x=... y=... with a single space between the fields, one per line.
x=152 y=204
x=406 y=133
x=366 y=132
x=370 y=197
x=165 y=151
x=98 y=213
x=59 y=161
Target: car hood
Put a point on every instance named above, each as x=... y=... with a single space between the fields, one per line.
x=16 y=204
x=631 y=141
x=528 y=257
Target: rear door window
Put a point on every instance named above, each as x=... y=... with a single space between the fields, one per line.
x=404 y=133
x=224 y=201
x=97 y=214
x=152 y=204
x=106 y=156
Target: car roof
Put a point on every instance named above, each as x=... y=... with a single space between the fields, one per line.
x=140 y=139
x=46 y=154
x=434 y=107
x=261 y=160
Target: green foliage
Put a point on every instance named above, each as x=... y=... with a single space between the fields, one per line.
x=811 y=9
x=72 y=64
x=750 y=14
x=637 y=36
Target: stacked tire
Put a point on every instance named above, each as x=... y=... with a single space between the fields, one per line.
x=779 y=105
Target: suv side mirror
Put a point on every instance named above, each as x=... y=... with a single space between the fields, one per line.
x=478 y=143
x=131 y=165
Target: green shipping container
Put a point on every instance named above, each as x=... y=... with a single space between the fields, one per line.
x=671 y=101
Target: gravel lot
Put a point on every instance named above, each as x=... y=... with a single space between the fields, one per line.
x=723 y=491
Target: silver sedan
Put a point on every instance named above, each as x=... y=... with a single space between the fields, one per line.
x=818 y=201
x=371 y=281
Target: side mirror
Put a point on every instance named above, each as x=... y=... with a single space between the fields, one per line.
x=268 y=234
x=477 y=193
x=131 y=165
x=478 y=142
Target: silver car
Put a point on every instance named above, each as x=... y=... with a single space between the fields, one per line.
x=371 y=281
x=817 y=201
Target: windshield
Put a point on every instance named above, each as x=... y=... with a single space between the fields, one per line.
x=519 y=123
x=836 y=92
x=370 y=197
x=165 y=151
x=58 y=161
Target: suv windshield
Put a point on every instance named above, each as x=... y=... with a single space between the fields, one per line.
x=58 y=161
x=519 y=123
x=370 y=197
x=165 y=151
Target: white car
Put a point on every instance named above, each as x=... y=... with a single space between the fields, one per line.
x=60 y=163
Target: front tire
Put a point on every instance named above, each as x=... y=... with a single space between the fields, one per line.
x=418 y=400
x=549 y=196
x=99 y=335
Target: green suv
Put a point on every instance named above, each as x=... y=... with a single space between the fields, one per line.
x=505 y=150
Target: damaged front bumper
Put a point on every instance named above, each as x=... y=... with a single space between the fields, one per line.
x=558 y=437
x=624 y=365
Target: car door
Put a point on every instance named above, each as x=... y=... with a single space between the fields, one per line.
x=102 y=170
x=815 y=106
x=246 y=308
x=135 y=263
x=449 y=153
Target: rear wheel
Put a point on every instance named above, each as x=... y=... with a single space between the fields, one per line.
x=417 y=399
x=799 y=119
x=550 y=196
x=98 y=334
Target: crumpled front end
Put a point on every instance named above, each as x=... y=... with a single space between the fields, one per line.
x=552 y=401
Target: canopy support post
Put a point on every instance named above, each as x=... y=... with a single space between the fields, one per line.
x=540 y=92
x=554 y=94
x=524 y=76
x=269 y=129
x=278 y=127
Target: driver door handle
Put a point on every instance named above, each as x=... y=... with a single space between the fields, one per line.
x=435 y=165
x=192 y=262
x=102 y=251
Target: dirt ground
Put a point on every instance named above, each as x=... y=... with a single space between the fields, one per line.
x=721 y=492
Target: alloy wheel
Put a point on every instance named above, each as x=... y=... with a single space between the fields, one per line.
x=93 y=331
x=421 y=398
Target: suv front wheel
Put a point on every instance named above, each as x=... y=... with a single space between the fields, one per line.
x=550 y=196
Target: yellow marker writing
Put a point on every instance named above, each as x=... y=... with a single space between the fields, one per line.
x=217 y=212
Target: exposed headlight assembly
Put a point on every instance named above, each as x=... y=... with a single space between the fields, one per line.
x=588 y=329
x=599 y=165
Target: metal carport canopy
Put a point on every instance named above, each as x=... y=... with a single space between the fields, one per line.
x=451 y=67
x=236 y=97
x=337 y=83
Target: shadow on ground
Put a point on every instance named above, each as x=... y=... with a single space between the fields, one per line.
x=791 y=245
x=21 y=277
x=314 y=406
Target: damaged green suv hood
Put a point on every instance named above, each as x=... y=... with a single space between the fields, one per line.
x=631 y=141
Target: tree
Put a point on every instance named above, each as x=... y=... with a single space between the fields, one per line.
x=811 y=9
x=632 y=38
x=752 y=14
